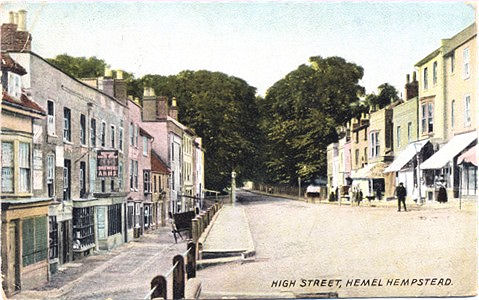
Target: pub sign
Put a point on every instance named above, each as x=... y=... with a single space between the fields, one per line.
x=107 y=163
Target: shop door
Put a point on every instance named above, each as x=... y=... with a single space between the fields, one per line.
x=13 y=251
x=65 y=232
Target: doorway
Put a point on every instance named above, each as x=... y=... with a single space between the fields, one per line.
x=65 y=233
x=13 y=250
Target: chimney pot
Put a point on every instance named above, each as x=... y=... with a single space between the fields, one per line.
x=146 y=91
x=22 y=20
x=130 y=97
x=108 y=72
x=152 y=92
x=15 y=18
x=119 y=74
x=12 y=17
x=407 y=78
x=173 y=102
x=414 y=76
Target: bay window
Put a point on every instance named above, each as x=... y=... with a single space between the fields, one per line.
x=7 y=167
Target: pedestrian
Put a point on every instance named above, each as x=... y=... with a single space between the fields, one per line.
x=442 y=194
x=401 y=195
x=360 y=196
x=378 y=193
x=337 y=194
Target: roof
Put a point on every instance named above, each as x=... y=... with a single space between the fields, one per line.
x=24 y=103
x=405 y=156
x=469 y=156
x=74 y=78
x=9 y=64
x=460 y=38
x=157 y=164
x=145 y=133
x=447 y=153
x=428 y=57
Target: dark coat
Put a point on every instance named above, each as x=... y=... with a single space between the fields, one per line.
x=442 y=195
x=401 y=192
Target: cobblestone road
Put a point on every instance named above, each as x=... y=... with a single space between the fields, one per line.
x=296 y=240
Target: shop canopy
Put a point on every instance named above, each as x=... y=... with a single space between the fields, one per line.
x=369 y=171
x=447 y=153
x=405 y=156
x=469 y=156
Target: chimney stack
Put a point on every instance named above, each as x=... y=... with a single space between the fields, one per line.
x=414 y=76
x=146 y=91
x=14 y=36
x=22 y=20
x=162 y=107
x=120 y=88
x=173 y=111
x=152 y=92
x=411 y=89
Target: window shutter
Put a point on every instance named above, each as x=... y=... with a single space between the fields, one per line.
x=28 y=241
x=41 y=239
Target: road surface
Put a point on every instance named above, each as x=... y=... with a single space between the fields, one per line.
x=304 y=248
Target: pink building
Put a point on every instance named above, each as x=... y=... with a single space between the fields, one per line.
x=139 y=203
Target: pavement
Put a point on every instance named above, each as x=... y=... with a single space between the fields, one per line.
x=459 y=204
x=229 y=235
x=306 y=249
x=122 y=273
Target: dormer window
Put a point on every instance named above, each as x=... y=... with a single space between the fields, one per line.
x=14 y=85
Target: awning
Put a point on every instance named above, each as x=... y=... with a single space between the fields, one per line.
x=405 y=156
x=451 y=149
x=469 y=156
x=373 y=170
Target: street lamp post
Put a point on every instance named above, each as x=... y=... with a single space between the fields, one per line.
x=233 y=187
x=299 y=187
x=418 y=175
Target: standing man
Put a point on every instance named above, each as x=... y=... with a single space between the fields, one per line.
x=401 y=195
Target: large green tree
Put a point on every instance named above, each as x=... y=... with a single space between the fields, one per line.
x=387 y=94
x=222 y=110
x=300 y=113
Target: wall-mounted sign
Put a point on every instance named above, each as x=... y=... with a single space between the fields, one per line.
x=107 y=163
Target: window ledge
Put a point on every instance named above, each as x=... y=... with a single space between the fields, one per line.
x=67 y=142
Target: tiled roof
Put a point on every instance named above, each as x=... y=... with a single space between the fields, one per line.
x=157 y=164
x=23 y=102
x=9 y=64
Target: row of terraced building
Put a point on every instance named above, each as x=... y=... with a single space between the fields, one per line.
x=85 y=167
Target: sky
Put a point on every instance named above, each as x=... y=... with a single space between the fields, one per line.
x=258 y=41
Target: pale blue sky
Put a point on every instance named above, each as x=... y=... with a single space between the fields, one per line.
x=258 y=41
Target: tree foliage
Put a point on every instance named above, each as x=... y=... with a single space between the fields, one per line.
x=79 y=67
x=300 y=113
x=387 y=94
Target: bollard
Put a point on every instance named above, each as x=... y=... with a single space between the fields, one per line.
x=194 y=230
x=191 y=261
x=179 y=277
x=160 y=283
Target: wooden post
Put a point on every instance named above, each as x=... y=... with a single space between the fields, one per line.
x=160 y=283
x=194 y=230
x=179 y=277
x=191 y=261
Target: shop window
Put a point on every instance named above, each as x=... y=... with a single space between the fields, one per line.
x=53 y=237
x=34 y=240
x=93 y=132
x=137 y=215
x=50 y=117
x=7 y=167
x=114 y=219
x=24 y=164
x=67 y=135
x=83 y=228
